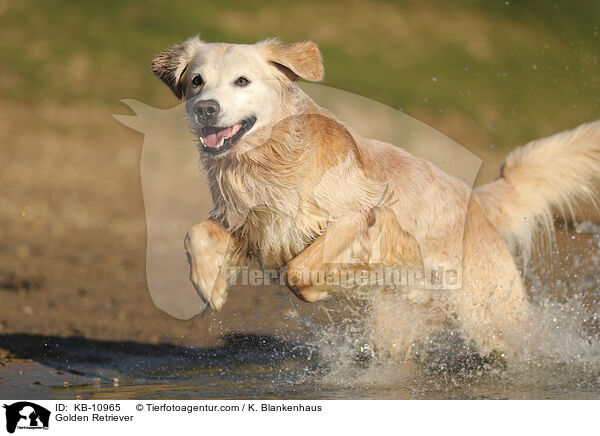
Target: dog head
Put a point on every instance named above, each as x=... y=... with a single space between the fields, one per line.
x=232 y=91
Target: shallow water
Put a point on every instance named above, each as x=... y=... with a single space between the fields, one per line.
x=268 y=368
x=559 y=357
x=256 y=381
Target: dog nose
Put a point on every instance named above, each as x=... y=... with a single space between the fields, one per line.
x=207 y=111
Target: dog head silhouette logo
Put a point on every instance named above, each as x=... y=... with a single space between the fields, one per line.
x=24 y=414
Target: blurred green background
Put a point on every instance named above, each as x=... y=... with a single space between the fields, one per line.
x=483 y=72
x=489 y=74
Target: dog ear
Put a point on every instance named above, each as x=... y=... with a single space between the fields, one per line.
x=296 y=59
x=170 y=65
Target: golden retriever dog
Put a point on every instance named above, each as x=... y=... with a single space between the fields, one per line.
x=297 y=190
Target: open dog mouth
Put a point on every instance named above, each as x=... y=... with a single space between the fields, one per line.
x=217 y=140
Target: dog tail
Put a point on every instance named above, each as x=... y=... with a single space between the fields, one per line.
x=546 y=175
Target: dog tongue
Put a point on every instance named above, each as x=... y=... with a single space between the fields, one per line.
x=213 y=135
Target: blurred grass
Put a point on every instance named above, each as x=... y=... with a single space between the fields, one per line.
x=483 y=72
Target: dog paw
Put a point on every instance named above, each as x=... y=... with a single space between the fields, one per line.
x=205 y=269
x=299 y=283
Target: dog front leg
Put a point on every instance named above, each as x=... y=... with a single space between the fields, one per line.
x=209 y=248
x=317 y=259
x=348 y=250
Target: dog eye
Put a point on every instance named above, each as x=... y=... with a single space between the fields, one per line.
x=242 y=81
x=197 y=80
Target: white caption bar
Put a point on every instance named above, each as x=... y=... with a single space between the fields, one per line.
x=291 y=417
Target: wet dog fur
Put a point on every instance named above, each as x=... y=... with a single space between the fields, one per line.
x=294 y=187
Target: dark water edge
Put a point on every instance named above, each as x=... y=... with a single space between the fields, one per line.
x=258 y=367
